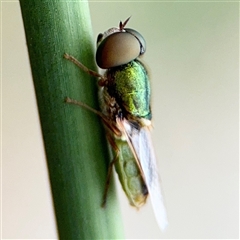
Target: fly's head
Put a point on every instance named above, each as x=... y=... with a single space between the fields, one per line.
x=118 y=46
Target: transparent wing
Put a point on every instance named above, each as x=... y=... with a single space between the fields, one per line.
x=141 y=145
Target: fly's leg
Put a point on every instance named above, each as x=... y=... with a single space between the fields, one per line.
x=111 y=125
x=113 y=128
x=84 y=105
x=85 y=69
x=110 y=168
x=106 y=121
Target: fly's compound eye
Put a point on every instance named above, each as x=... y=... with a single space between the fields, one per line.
x=99 y=38
x=139 y=37
x=119 y=48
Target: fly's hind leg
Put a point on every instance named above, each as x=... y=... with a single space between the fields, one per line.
x=110 y=168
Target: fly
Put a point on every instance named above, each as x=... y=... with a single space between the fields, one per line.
x=124 y=96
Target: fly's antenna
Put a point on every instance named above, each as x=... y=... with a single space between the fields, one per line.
x=122 y=25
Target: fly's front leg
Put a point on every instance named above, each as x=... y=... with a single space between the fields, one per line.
x=102 y=79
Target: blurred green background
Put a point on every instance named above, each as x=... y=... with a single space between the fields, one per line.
x=193 y=59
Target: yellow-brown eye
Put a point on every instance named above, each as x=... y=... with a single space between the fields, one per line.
x=118 y=49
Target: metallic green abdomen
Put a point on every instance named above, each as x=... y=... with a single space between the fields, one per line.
x=129 y=85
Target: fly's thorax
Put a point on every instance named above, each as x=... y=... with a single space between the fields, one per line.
x=129 y=85
x=130 y=175
x=108 y=104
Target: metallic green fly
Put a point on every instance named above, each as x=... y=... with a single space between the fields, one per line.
x=124 y=96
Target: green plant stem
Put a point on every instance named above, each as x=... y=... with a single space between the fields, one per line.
x=74 y=139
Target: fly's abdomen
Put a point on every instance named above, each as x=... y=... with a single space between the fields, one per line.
x=129 y=85
x=130 y=175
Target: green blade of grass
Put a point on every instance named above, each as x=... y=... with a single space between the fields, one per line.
x=75 y=144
